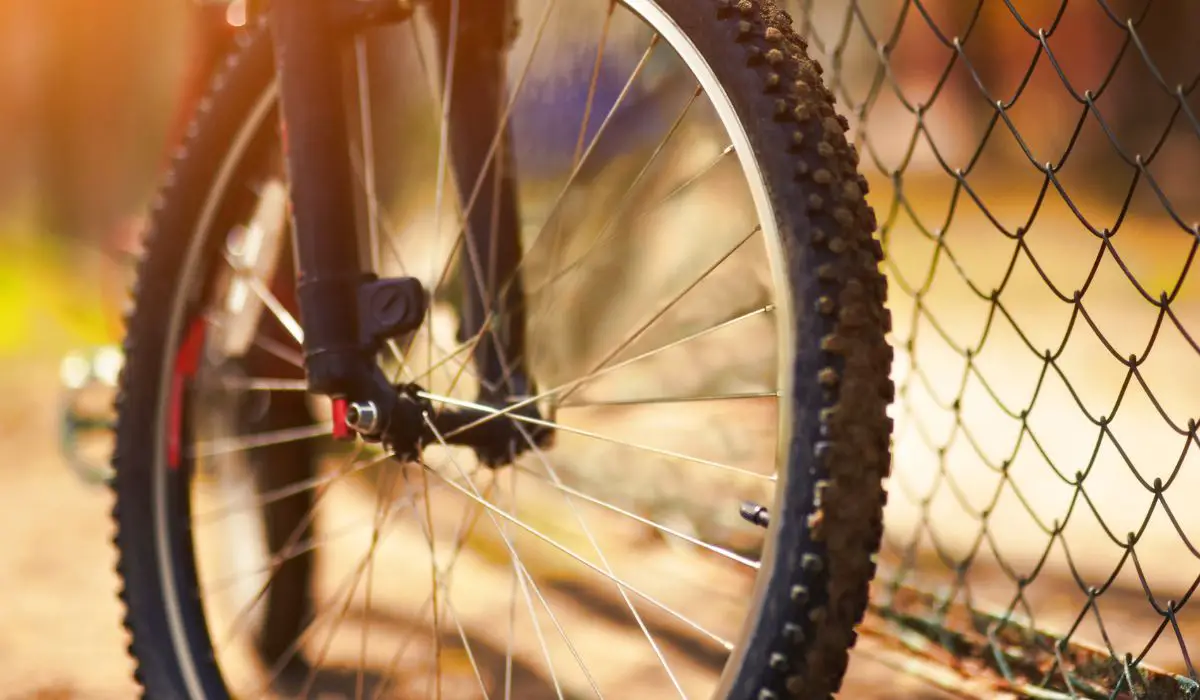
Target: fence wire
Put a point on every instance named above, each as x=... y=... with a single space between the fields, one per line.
x=1035 y=168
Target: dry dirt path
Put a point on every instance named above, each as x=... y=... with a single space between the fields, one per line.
x=60 y=632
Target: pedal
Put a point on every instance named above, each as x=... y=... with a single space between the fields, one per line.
x=88 y=382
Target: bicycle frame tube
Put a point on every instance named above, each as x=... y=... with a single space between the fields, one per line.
x=473 y=36
x=332 y=289
x=309 y=69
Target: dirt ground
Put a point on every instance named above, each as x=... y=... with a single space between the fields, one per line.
x=61 y=635
x=60 y=631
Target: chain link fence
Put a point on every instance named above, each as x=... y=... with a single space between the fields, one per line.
x=1035 y=169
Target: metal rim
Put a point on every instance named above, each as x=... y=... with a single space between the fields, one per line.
x=652 y=14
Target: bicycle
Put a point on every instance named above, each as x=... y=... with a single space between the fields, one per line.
x=294 y=379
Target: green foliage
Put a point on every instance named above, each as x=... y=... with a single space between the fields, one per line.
x=53 y=295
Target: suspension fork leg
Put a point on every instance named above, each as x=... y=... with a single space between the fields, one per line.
x=315 y=138
x=479 y=33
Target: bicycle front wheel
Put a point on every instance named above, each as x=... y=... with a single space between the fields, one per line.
x=703 y=324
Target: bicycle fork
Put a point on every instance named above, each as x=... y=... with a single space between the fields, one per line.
x=347 y=314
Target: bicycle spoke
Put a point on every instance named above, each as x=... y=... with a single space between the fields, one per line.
x=690 y=182
x=263 y=384
x=750 y=563
x=581 y=139
x=641 y=330
x=595 y=81
x=469 y=207
x=566 y=390
x=380 y=500
x=301 y=548
x=291 y=551
x=448 y=356
x=571 y=178
x=364 y=171
x=283 y=492
x=575 y=264
x=467 y=647
x=348 y=582
x=587 y=433
x=394 y=662
x=281 y=351
x=276 y=563
x=669 y=399
x=615 y=216
x=345 y=588
x=285 y=318
x=297 y=550
x=556 y=481
x=381 y=218
x=441 y=174
x=439 y=584
x=463 y=365
x=725 y=644
x=526 y=582
x=292 y=541
x=401 y=356
x=367 y=134
x=220 y=446
x=453 y=356
x=460 y=539
x=365 y=566
x=523 y=576
x=433 y=566
x=274 y=347
x=446 y=581
x=512 y=596
x=565 y=386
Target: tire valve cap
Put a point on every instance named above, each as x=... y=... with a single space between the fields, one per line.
x=756 y=514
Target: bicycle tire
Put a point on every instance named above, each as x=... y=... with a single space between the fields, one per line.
x=829 y=523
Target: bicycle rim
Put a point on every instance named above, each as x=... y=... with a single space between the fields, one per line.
x=679 y=41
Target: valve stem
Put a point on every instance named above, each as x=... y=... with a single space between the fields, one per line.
x=755 y=514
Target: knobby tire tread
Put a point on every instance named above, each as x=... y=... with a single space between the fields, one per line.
x=840 y=452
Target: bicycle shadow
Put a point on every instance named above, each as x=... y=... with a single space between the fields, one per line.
x=413 y=679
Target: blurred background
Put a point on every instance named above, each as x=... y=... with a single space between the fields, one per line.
x=88 y=97
x=986 y=255
x=88 y=100
x=92 y=99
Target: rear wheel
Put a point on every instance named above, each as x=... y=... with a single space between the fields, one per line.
x=703 y=324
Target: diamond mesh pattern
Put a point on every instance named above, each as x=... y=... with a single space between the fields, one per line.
x=1035 y=166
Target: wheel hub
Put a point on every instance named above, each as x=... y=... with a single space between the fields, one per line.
x=497 y=432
